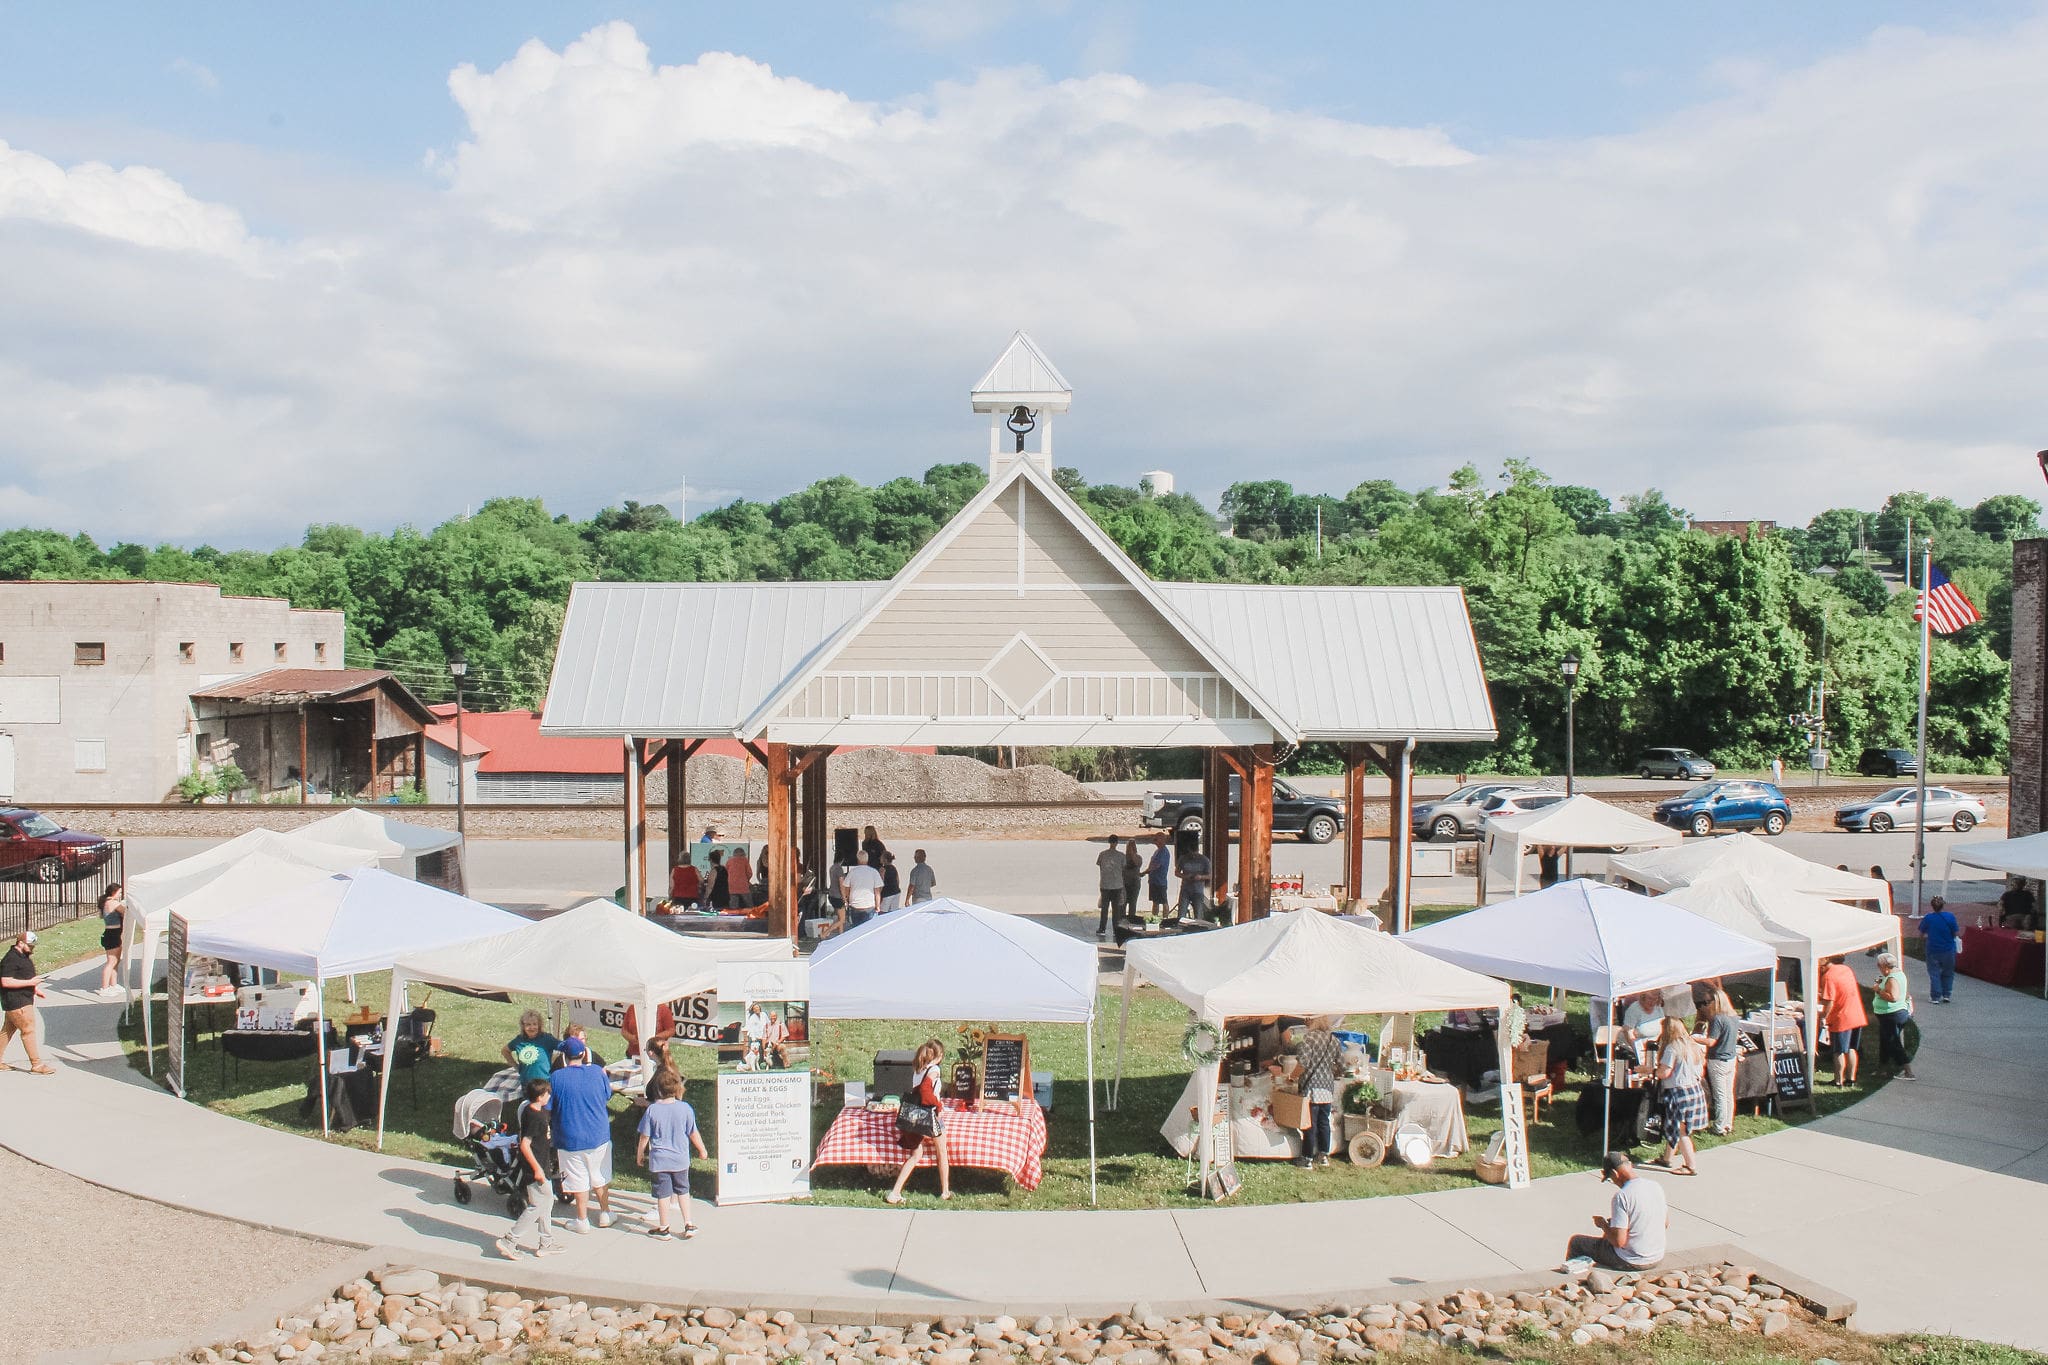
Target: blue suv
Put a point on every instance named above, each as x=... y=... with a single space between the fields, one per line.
x=1727 y=805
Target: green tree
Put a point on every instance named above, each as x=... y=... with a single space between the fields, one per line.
x=2006 y=516
x=1864 y=588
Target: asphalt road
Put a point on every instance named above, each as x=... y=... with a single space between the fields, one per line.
x=1040 y=875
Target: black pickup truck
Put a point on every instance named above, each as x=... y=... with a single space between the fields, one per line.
x=1316 y=819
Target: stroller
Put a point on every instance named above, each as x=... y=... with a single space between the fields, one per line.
x=493 y=1149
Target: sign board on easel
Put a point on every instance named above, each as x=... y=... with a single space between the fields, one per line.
x=1516 y=1134
x=174 y=1035
x=1222 y=1182
x=764 y=1093
x=1788 y=1070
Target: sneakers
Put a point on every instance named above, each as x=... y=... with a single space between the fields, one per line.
x=1303 y=1162
x=1322 y=1163
x=1905 y=1074
x=579 y=1226
x=604 y=1218
x=689 y=1231
x=509 y=1249
x=660 y=1233
x=549 y=1249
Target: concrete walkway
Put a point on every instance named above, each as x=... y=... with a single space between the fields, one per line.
x=1924 y=1203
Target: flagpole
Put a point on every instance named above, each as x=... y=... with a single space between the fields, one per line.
x=1920 y=810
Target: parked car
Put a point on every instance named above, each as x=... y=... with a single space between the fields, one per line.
x=1888 y=763
x=1683 y=763
x=1457 y=816
x=1727 y=805
x=35 y=846
x=1316 y=819
x=1895 y=808
x=1503 y=804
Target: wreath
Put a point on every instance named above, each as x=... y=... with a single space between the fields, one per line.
x=1202 y=1044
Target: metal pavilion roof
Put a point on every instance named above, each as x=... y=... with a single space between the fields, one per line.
x=1350 y=663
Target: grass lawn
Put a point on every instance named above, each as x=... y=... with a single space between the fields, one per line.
x=1714 y=1346
x=60 y=945
x=1135 y=1167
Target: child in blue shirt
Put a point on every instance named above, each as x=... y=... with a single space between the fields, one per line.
x=668 y=1132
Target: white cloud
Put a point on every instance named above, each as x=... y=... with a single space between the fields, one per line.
x=1823 y=285
x=197 y=73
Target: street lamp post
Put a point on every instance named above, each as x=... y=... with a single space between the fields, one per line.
x=1569 y=666
x=457 y=667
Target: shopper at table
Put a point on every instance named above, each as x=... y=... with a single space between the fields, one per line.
x=1841 y=1002
x=721 y=884
x=1315 y=1069
x=656 y=1047
x=583 y=1133
x=668 y=1133
x=1134 y=876
x=1109 y=883
x=926 y=1092
x=1632 y=1231
x=872 y=845
x=20 y=985
x=1681 y=1094
x=536 y=1177
x=685 y=885
x=924 y=883
x=532 y=1049
x=1720 y=1033
x=892 y=884
x=1892 y=1003
x=1157 y=870
x=863 y=891
x=1942 y=936
x=739 y=881
x=1194 y=886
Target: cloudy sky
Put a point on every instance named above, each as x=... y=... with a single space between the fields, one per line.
x=261 y=266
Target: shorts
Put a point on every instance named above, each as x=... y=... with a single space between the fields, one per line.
x=672 y=1184
x=583 y=1172
x=1844 y=1040
x=110 y=940
x=1157 y=892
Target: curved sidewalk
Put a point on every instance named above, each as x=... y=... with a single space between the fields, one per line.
x=1923 y=1203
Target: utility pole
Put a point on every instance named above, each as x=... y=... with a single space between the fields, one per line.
x=1820 y=710
x=1319 y=530
x=1920 y=809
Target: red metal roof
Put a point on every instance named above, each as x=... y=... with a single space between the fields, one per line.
x=444 y=735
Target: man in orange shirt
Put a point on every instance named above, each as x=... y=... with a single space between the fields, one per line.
x=1841 y=1002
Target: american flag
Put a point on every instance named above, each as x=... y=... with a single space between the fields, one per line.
x=1948 y=611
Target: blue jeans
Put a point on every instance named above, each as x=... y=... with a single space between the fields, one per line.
x=1319 y=1135
x=856 y=917
x=1941 y=975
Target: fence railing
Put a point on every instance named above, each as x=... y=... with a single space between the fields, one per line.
x=30 y=901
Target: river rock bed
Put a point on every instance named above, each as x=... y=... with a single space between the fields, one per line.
x=402 y=1313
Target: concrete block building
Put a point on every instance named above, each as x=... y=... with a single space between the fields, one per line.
x=96 y=679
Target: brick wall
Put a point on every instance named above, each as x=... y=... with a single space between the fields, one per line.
x=2029 y=765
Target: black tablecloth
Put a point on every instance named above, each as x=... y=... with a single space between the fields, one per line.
x=1466 y=1055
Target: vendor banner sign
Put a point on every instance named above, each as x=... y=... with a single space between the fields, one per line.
x=764 y=1082
x=696 y=1016
x=174 y=1036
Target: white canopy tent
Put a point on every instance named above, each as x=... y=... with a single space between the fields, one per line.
x=1592 y=939
x=153 y=894
x=395 y=844
x=2026 y=856
x=948 y=959
x=596 y=951
x=1578 y=822
x=1753 y=856
x=343 y=924
x=1302 y=962
x=1794 y=924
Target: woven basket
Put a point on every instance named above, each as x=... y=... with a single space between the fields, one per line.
x=1491 y=1172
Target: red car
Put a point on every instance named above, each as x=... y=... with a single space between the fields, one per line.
x=33 y=845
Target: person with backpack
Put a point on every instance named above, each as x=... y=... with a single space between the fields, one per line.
x=537 y=1177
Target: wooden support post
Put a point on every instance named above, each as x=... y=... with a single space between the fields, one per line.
x=419 y=763
x=641 y=763
x=1255 y=835
x=1397 y=761
x=814 y=819
x=778 y=850
x=636 y=826
x=676 y=753
x=1216 y=821
x=1354 y=821
x=305 y=777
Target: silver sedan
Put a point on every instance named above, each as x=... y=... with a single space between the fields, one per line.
x=1898 y=807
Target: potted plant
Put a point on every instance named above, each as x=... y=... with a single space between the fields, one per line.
x=1357 y=1102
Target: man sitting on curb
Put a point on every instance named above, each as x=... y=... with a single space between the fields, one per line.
x=583 y=1133
x=1632 y=1232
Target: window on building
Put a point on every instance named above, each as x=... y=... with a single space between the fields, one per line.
x=89 y=755
x=235 y=652
x=89 y=652
x=319 y=651
x=186 y=653
x=277 y=651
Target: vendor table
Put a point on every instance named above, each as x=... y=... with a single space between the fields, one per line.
x=1466 y=1055
x=997 y=1139
x=735 y=925
x=1436 y=1107
x=2005 y=957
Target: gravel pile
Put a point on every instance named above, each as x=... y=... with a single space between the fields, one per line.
x=878 y=775
x=401 y=1313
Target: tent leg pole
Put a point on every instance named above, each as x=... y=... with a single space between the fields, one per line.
x=1123 y=1029
x=1091 y=1111
x=394 y=1010
x=320 y=1044
x=1607 y=1081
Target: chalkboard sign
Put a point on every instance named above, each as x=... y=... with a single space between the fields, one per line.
x=1788 y=1069
x=1005 y=1066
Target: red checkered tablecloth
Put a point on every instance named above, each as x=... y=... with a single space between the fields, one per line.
x=999 y=1139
